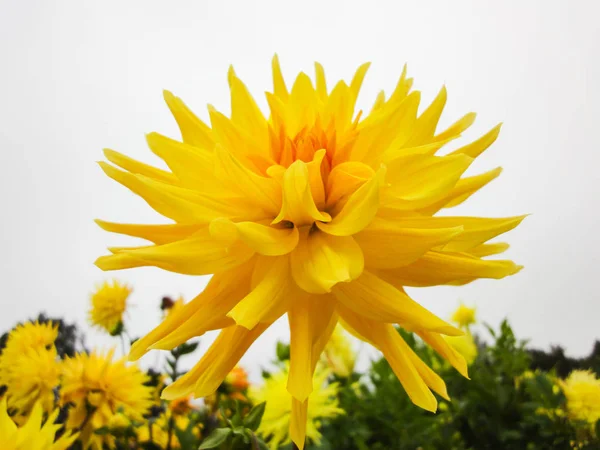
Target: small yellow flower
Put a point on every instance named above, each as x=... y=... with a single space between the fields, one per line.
x=158 y=433
x=275 y=424
x=338 y=353
x=29 y=368
x=237 y=379
x=33 y=435
x=463 y=316
x=582 y=390
x=109 y=302
x=465 y=345
x=101 y=387
x=315 y=210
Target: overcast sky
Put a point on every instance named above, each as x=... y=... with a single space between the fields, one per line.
x=78 y=76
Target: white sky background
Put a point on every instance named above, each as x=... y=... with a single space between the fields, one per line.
x=77 y=76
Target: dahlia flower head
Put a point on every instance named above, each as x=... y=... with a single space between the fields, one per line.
x=316 y=211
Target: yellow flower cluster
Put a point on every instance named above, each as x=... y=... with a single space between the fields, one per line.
x=29 y=368
x=99 y=388
x=582 y=389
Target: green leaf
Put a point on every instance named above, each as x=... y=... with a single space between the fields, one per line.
x=187 y=348
x=252 y=420
x=283 y=351
x=216 y=438
x=102 y=431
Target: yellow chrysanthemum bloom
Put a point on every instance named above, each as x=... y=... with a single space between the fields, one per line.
x=109 y=302
x=582 y=390
x=276 y=422
x=29 y=368
x=463 y=316
x=33 y=435
x=338 y=354
x=316 y=212
x=465 y=345
x=101 y=387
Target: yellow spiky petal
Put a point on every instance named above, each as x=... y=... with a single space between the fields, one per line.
x=315 y=210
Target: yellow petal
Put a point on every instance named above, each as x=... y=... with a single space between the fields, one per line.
x=193 y=130
x=263 y=191
x=320 y=81
x=320 y=261
x=417 y=181
x=437 y=268
x=476 y=230
x=269 y=297
x=439 y=344
x=389 y=127
x=378 y=300
x=223 y=291
x=357 y=81
x=298 y=204
x=476 y=148
x=136 y=167
x=309 y=319
x=359 y=210
x=196 y=255
x=298 y=421
x=279 y=88
x=431 y=379
x=346 y=178
x=402 y=365
x=302 y=105
x=425 y=126
x=222 y=356
x=339 y=107
x=386 y=338
x=457 y=128
x=192 y=166
x=484 y=250
x=400 y=152
x=179 y=204
x=464 y=188
x=263 y=239
x=388 y=244
x=159 y=234
x=245 y=112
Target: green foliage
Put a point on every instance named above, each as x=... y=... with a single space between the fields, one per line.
x=238 y=432
x=498 y=408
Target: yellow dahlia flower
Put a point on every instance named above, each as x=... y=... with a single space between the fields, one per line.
x=33 y=435
x=109 y=302
x=29 y=368
x=338 y=353
x=463 y=316
x=279 y=411
x=582 y=390
x=315 y=211
x=99 y=388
